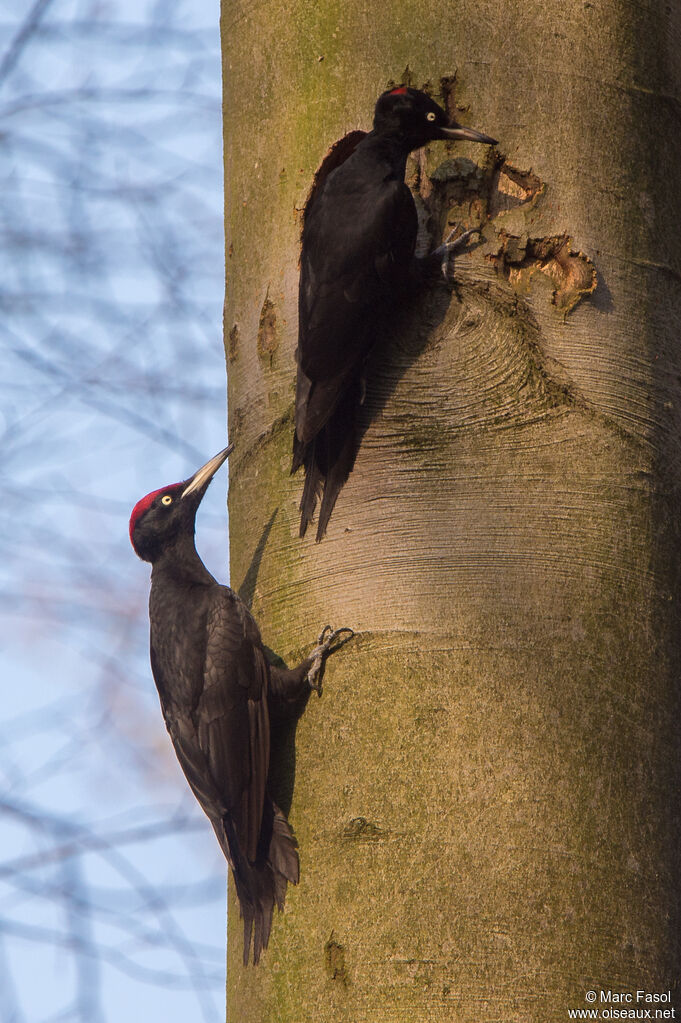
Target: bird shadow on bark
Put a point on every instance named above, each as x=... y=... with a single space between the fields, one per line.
x=283 y=727
x=247 y=589
x=403 y=335
x=285 y=713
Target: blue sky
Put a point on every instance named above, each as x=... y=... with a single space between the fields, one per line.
x=112 y=888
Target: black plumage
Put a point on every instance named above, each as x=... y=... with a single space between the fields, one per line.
x=358 y=242
x=217 y=690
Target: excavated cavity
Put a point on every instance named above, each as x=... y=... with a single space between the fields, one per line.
x=572 y=273
x=461 y=193
x=512 y=188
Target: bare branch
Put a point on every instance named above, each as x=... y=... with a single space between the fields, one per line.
x=22 y=38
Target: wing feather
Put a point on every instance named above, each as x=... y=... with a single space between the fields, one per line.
x=351 y=267
x=347 y=266
x=233 y=728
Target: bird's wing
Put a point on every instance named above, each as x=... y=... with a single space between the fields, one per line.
x=232 y=716
x=357 y=244
x=350 y=267
x=223 y=745
x=339 y=152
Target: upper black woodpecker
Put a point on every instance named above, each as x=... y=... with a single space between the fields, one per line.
x=358 y=242
x=217 y=689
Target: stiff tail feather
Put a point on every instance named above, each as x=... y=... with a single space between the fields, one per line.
x=306 y=455
x=328 y=460
x=261 y=885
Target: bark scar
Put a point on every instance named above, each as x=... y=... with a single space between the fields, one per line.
x=268 y=340
x=233 y=343
x=360 y=827
x=334 y=961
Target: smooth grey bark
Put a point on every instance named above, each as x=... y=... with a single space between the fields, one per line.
x=486 y=797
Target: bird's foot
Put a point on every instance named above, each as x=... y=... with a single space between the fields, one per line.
x=325 y=646
x=445 y=251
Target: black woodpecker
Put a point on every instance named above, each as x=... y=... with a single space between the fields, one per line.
x=359 y=236
x=217 y=689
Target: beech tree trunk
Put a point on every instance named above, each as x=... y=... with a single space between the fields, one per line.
x=486 y=796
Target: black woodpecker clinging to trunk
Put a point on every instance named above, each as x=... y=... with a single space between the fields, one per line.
x=359 y=236
x=217 y=689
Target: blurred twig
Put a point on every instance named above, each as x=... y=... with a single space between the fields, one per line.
x=113 y=382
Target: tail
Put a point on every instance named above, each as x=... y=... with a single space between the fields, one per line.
x=261 y=884
x=306 y=455
x=328 y=460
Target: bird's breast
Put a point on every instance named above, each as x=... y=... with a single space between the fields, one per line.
x=178 y=646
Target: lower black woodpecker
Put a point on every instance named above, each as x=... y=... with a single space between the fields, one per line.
x=217 y=690
x=357 y=258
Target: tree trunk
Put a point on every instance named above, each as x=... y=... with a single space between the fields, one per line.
x=486 y=797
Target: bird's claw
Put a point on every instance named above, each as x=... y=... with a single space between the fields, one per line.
x=323 y=634
x=329 y=634
x=327 y=638
x=449 y=247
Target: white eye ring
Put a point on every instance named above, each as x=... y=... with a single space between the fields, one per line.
x=430 y=116
x=166 y=499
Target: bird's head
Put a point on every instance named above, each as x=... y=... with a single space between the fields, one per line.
x=165 y=515
x=415 y=118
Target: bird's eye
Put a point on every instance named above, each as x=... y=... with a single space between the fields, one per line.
x=166 y=499
x=430 y=116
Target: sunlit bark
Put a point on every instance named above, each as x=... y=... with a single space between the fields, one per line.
x=485 y=797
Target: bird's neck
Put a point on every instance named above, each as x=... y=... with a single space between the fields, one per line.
x=389 y=147
x=180 y=562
